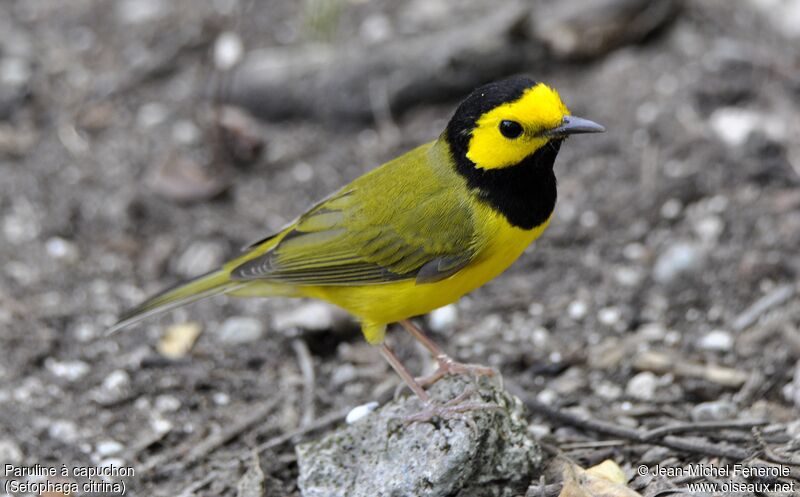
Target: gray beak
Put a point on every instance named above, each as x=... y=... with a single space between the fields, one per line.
x=572 y=125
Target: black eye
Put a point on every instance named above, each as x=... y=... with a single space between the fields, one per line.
x=510 y=129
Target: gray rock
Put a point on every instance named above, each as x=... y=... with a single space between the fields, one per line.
x=240 y=329
x=381 y=456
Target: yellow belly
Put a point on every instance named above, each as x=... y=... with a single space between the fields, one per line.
x=378 y=305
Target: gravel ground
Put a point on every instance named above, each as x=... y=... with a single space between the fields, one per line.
x=664 y=291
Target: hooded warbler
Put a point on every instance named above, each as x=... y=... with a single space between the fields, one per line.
x=418 y=232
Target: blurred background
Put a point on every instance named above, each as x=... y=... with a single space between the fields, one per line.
x=144 y=141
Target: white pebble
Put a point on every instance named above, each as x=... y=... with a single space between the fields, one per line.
x=717 y=341
x=671 y=209
x=642 y=386
x=185 y=132
x=589 y=219
x=200 y=257
x=717 y=410
x=59 y=248
x=151 y=114
x=547 y=396
x=63 y=430
x=709 y=228
x=313 y=316
x=108 y=447
x=167 y=403
x=627 y=276
x=160 y=425
x=240 y=329
x=609 y=316
x=116 y=380
x=228 y=50
x=652 y=332
x=577 y=310
x=69 y=370
x=10 y=453
x=443 y=319
x=360 y=412
x=676 y=259
x=734 y=125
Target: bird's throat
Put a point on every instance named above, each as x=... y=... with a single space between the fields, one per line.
x=525 y=194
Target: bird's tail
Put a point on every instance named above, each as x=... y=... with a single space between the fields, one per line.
x=203 y=286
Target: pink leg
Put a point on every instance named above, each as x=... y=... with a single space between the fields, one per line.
x=446 y=364
x=415 y=387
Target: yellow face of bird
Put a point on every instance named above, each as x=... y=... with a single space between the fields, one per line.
x=512 y=131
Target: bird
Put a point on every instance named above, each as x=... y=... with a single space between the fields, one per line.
x=418 y=232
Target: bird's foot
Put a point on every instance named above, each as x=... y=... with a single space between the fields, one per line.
x=447 y=365
x=455 y=408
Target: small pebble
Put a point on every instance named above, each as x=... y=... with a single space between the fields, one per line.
x=185 y=132
x=671 y=209
x=717 y=410
x=359 y=412
x=539 y=431
x=178 y=339
x=69 y=370
x=108 y=447
x=577 y=310
x=716 y=341
x=167 y=403
x=734 y=125
x=200 y=257
x=376 y=28
x=10 y=453
x=151 y=114
x=608 y=390
x=677 y=259
x=14 y=71
x=652 y=332
x=628 y=276
x=160 y=425
x=240 y=329
x=609 y=316
x=709 y=228
x=642 y=386
x=443 y=319
x=139 y=11
x=117 y=380
x=59 y=248
x=63 y=430
x=312 y=316
x=547 y=396
x=228 y=50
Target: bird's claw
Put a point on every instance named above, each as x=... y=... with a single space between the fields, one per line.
x=447 y=365
x=455 y=408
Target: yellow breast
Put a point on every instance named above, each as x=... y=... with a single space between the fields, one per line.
x=377 y=305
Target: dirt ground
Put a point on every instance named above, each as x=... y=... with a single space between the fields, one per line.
x=665 y=290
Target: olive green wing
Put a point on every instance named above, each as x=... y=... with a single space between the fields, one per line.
x=386 y=227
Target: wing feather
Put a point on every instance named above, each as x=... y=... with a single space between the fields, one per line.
x=375 y=231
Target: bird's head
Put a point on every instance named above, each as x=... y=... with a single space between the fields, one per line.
x=500 y=124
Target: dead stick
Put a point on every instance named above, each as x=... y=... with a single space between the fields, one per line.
x=673 y=442
x=672 y=429
x=328 y=419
